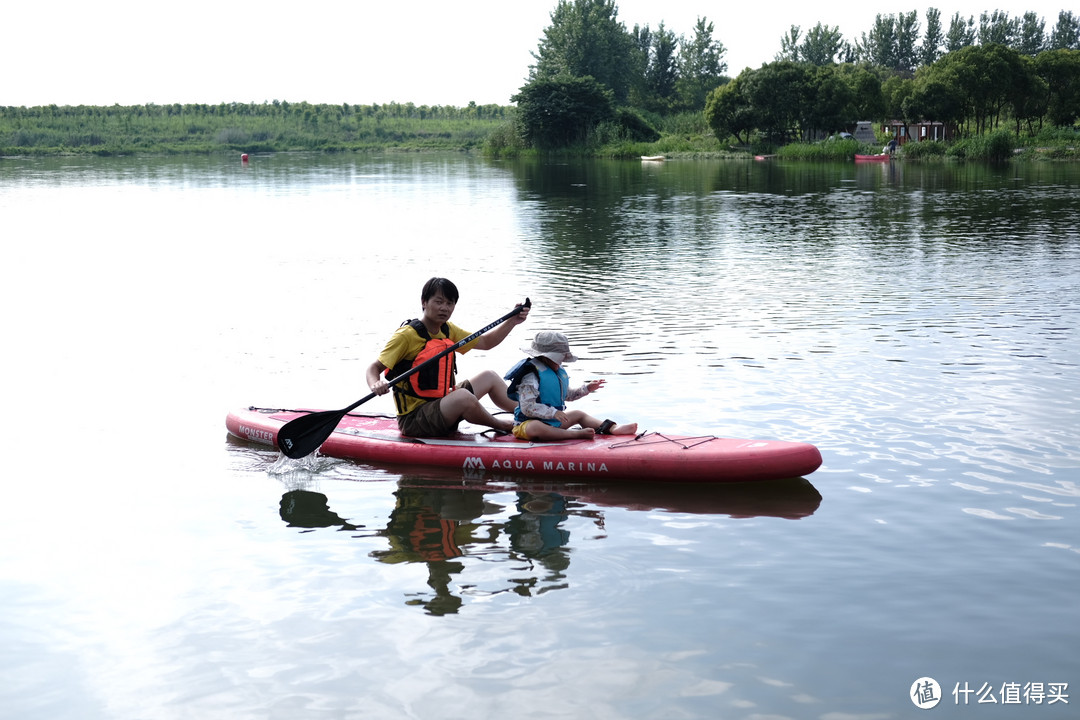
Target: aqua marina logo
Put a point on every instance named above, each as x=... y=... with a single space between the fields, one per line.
x=473 y=463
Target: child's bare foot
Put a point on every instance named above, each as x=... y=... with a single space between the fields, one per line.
x=583 y=433
x=627 y=429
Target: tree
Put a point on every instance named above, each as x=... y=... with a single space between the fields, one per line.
x=1031 y=39
x=701 y=66
x=879 y=46
x=1060 y=69
x=961 y=33
x=930 y=50
x=1027 y=95
x=907 y=37
x=662 y=71
x=790 y=46
x=586 y=39
x=935 y=97
x=728 y=110
x=777 y=91
x=831 y=101
x=1066 y=34
x=891 y=43
x=1013 y=81
x=642 y=37
x=997 y=29
x=822 y=45
x=983 y=77
x=867 y=102
x=896 y=90
x=561 y=111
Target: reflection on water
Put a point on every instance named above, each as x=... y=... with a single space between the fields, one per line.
x=474 y=547
x=307 y=509
x=439 y=526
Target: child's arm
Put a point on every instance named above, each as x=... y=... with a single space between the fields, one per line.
x=580 y=392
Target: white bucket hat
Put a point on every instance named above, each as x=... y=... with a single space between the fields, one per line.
x=552 y=345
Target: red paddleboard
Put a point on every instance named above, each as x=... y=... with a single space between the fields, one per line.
x=648 y=457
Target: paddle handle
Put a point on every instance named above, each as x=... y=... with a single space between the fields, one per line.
x=464 y=341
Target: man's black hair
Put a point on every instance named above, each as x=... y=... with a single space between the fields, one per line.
x=437 y=285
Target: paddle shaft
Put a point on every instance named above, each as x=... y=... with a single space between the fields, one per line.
x=303 y=435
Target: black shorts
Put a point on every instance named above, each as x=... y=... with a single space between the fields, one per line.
x=428 y=420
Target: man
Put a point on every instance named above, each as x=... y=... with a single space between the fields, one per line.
x=430 y=403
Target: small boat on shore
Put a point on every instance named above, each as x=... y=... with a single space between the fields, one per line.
x=883 y=157
x=653 y=158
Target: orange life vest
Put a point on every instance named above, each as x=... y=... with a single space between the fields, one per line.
x=433 y=381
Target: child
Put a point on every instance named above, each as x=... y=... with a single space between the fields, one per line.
x=542 y=388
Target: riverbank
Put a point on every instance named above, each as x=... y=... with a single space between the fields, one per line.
x=1048 y=145
x=289 y=127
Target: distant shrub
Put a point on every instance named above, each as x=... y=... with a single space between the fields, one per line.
x=679 y=143
x=635 y=127
x=505 y=140
x=685 y=123
x=231 y=136
x=627 y=149
x=925 y=149
x=759 y=145
x=1051 y=135
x=826 y=150
x=998 y=146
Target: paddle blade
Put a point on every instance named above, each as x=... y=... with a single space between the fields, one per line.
x=306 y=433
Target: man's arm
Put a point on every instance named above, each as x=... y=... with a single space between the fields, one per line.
x=496 y=335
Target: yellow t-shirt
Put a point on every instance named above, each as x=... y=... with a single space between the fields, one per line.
x=406 y=344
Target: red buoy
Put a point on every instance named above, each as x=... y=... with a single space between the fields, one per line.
x=244 y=158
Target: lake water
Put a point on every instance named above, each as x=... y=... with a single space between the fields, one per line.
x=918 y=323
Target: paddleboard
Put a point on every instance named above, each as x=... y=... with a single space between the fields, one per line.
x=648 y=457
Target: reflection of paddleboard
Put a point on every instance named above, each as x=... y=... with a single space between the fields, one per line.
x=653 y=457
x=790 y=498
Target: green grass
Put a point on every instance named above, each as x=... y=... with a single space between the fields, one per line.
x=827 y=150
x=996 y=146
x=925 y=150
x=1051 y=144
x=172 y=129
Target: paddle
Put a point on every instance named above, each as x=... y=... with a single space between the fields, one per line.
x=305 y=434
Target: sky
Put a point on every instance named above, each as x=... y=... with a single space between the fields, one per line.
x=428 y=52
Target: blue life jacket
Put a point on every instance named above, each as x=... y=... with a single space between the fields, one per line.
x=554 y=386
